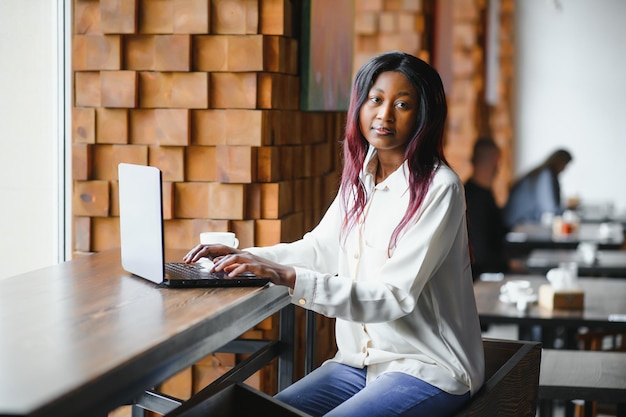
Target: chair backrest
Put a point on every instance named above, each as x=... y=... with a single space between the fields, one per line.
x=511 y=380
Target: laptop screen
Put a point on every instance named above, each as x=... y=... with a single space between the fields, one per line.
x=141 y=221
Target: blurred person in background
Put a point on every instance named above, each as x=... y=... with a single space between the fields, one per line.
x=538 y=192
x=485 y=223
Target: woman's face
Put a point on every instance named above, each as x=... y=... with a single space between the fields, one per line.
x=388 y=116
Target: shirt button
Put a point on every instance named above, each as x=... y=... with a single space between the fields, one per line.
x=364 y=349
x=302 y=301
x=356 y=255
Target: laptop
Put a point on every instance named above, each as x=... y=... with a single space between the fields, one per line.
x=142 y=242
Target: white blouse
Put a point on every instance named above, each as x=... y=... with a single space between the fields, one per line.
x=411 y=312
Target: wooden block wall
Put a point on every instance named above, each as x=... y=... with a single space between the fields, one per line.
x=207 y=91
x=501 y=114
x=383 y=25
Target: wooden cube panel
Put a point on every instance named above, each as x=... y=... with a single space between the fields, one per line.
x=253 y=201
x=286 y=229
x=91 y=198
x=172 y=53
x=233 y=90
x=156 y=16
x=83 y=125
x=96 y=52
x=247 y=127
x=211 y=368
x=242 y=53
x=200 y=163
x=227 y=201
x=111 y=125
x=172 y=127
x=276 y=199
x=246 y=53
x=191 y=200
x=210 y=53
x=301 y=195
x=244 y=229
x=287 y=163
x=118 y=16
x=276 y=17
x=190 y=90
x=114 y=199
x=81 y=161
x=366 y=23
x=87 y=89
x=323 y=159
x=119 y=88
x=278 y=91
x=191 y=16
x=139 y=52
x=297 y=156
x=107 y=158
x=269 y=163
x=285 y=127
x=236 y=164
x=174 y=90
x=170 y=160
x=230 y=17
x=177 y=234
x=168 y=200
x=180 y=385
x=208 y=127
x=142 y=127
x=208 y=225
x=86 y=17
x=82 y=234
x=105 y=233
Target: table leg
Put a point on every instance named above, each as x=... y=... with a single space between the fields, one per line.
x=548 y=337
x=309 y=357
x=545 y=408
x=570 y=408
x=287 y=341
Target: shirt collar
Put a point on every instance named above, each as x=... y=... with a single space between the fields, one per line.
x=396 y=182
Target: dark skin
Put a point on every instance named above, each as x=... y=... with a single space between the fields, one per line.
x=387 y=122
x=235 y=262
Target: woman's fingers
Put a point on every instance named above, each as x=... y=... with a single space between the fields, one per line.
x=209 y=251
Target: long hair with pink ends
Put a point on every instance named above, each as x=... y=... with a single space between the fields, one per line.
x=424 y=151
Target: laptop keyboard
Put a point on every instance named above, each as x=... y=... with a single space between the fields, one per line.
x=181 y=270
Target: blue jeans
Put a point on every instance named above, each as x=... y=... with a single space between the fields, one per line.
x=337 y=390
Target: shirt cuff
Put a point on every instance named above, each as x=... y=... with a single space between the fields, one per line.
x=303 y=293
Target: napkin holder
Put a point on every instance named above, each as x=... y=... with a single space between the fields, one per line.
x=565 y=299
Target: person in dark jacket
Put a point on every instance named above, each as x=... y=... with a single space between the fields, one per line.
x=485 y=224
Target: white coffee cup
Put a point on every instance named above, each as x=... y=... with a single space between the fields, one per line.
x=588 y=251
x=223 y=238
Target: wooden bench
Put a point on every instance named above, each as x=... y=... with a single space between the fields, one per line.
x=511 y=380
x=584 y=375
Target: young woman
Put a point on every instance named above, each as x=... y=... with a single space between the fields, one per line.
x=389 y=260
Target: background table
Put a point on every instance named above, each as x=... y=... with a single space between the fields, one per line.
x=528 y=236
x=585 y=375
x=83 y=337
x=609 y=263
x=605 y=307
